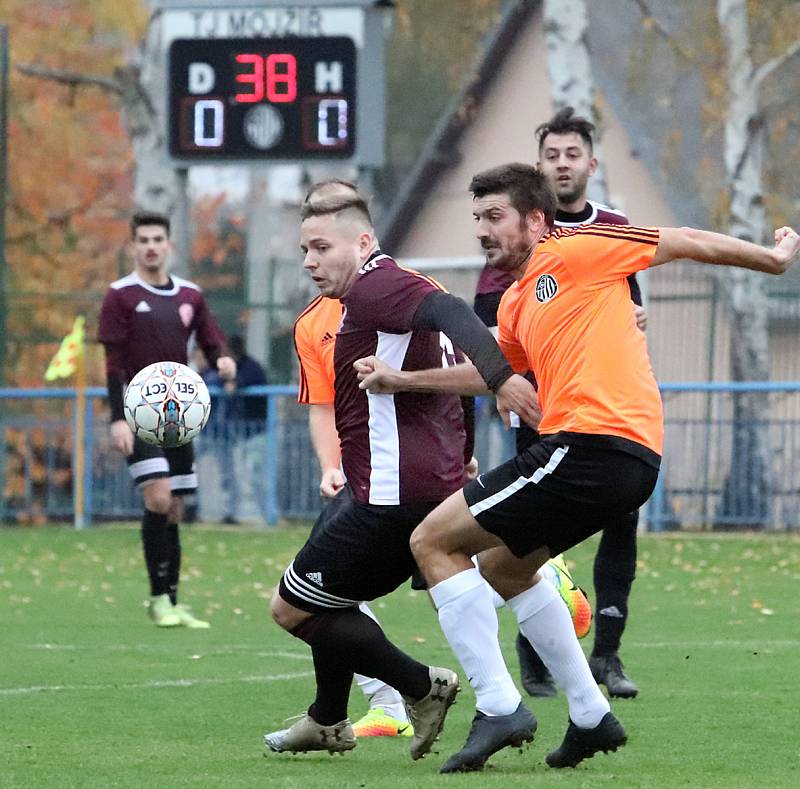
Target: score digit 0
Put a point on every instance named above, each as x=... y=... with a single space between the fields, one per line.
x=265 y=79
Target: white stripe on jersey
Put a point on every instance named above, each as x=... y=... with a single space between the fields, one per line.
x=519 y=483
x=384 y=437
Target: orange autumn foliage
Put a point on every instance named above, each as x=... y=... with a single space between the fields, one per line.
x=70 y=173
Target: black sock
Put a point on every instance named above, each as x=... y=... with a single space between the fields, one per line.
x=531 y=657
x=357 y=643
x=174 y=572
x=334 y=681
x=157 y=551
x=614 y=571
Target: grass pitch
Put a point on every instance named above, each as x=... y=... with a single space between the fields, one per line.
x=93 y=695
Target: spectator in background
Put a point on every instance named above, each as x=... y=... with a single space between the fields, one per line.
x=243 y=421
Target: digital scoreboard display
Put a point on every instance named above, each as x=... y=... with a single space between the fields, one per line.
x=269 y=98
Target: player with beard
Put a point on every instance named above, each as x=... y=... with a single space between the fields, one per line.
x=567 y=318
x=566 y=158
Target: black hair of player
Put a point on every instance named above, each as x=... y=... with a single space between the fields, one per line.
x=527 y=189
x=565 y=121
x=141 y=218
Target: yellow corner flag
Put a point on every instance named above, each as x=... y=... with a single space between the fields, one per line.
x=65 y=362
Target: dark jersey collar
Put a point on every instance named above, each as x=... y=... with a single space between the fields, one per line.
x=579 y=217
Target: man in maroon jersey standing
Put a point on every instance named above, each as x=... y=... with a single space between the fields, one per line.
x=566 y=158
x=147 y=317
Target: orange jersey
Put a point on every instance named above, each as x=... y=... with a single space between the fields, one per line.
x=570 y=321
x=315 y=332
x=314 y=340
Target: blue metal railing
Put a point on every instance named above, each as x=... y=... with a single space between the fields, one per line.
x=270 y=505
x=694 y=489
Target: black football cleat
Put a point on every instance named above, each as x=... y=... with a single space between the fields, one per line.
x=536 y=679
x=608 y=670
x=580 y=744
x=488 y=735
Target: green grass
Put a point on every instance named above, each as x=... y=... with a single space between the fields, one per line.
x=92 y=695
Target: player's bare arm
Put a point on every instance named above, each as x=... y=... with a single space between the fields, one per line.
x=676 y=243
x=226 y=366
x=515 y=394
x=122 y=437
x=377 y=376
x=325 y=440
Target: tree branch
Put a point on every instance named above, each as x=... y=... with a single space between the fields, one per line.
x=765 y=69
x=652 y=22
x=71 y=79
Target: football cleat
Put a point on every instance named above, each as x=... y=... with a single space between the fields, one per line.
x=376 y=723
x=188 y=619
x=555 y=570
x=488 y=735
x=306 y=734
x=608 y=670
x=580 y=744
x=427 y=715
x=162 y=612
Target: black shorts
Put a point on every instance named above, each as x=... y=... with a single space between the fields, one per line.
x=329 y=511
x=557 y=493
x=331 y=508
x=149 y=462
x=360 y=553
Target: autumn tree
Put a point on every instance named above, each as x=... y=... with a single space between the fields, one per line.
x=569 y=67
x=70 y=168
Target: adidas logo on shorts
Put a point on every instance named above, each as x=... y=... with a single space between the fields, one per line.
x=315 y=578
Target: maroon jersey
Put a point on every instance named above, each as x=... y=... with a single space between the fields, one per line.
x=406 y=447
x=141 y=324
x=492 y=280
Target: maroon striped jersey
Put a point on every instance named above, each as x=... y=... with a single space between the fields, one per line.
x=493 y=281
x=405 y=447
x=141 y=324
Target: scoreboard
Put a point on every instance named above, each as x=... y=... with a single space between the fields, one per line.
x=233 y=99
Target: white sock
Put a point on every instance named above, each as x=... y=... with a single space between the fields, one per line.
x=545 y=621
x=497 y=600
x=378 y=693
x=469 y=622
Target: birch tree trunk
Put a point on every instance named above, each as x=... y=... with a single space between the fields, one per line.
x=569 y=69
x=745 y=499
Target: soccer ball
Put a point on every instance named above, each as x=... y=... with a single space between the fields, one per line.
x=167 y=404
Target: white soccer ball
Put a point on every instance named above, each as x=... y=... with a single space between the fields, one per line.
x=167 y=404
